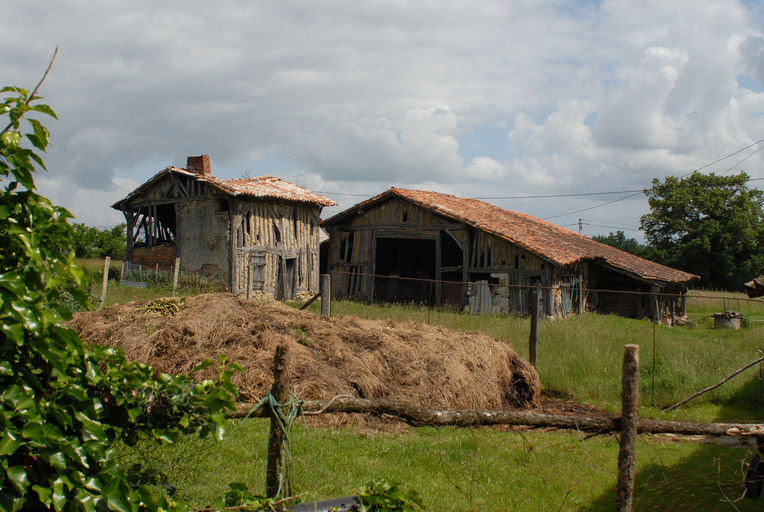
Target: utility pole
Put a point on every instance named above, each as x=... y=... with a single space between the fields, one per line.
x=580 y=226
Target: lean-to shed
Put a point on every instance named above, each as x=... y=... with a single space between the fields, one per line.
x=413 y=245
x=263 y=228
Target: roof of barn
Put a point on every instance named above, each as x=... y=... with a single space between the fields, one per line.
x=260 y=187
x=550 y=241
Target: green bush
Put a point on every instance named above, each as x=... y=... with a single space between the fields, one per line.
x=62 y=404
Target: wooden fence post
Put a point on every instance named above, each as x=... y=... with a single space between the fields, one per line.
x=175 y=271
x=534 y=334
x=629 y=414
x=249 y=278
x=326 y=295
x=280 y=392
x=105 y=283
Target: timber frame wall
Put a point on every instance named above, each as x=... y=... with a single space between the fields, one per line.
x=510 y=269
x=220 y=235
x=353 y=246
x=279 y=241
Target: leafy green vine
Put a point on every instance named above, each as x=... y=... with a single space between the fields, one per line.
x=62 y=404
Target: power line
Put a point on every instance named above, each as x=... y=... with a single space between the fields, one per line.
x=339 y=193
x=725 y=157
x=682 y=176
x=632 y=193
x=623 y=228
x=595 y=206
x=580 y=194
x=743 y=160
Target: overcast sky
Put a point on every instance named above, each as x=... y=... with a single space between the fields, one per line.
x=475 y=98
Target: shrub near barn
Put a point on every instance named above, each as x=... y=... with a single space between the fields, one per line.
x=61 y=403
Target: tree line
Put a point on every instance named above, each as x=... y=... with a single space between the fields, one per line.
x=707 y=224
x=90 y=242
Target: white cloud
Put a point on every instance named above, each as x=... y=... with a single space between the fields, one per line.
x=362 y=96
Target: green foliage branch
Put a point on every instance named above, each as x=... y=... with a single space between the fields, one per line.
x=381 y=495
x=90 y=242
x=62 y=404
x=620 y=241
x=707 y=224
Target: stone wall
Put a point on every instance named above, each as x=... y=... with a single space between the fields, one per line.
x=204 y=234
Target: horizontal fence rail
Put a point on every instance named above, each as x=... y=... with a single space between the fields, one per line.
x=422 y=416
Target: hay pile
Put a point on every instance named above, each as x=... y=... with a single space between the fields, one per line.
x=427 y=365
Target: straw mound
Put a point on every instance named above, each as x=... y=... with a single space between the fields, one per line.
x=428 y=365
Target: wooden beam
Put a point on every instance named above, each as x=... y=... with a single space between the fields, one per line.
x=423 y=416
x=402 y=227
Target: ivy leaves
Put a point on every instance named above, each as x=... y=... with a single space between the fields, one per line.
x=62 y=404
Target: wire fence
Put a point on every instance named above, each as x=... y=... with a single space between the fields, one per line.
x=493 y=294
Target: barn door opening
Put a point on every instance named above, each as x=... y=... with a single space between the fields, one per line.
x=285 y=279
x=404 y=258
x=257 y=271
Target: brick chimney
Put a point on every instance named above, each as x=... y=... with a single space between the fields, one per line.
x=199 y=164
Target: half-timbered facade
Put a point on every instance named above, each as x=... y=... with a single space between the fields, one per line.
x=265 y=229
x=412 y=245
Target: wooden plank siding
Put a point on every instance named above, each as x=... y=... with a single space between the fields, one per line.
x=484 y=256
x=285 y=237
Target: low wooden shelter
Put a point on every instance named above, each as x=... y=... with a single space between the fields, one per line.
x=263 y=229
x=418 y=246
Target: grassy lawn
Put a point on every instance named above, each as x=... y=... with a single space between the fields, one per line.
x=501 y=469
x=463 y=469
x=581 y=356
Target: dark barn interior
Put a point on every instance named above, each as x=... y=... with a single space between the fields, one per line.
x=404 y=257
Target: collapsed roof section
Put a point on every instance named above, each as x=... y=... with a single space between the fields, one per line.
x=260 y=187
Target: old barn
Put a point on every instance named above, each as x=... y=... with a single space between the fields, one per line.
x=265 y=229
x=418 y=246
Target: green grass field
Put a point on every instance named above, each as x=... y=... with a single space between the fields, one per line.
x=515 y=469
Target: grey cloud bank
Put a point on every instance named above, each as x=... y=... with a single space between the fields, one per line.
x=355 y=97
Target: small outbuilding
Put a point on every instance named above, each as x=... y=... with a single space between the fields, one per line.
x=418 y=246
x=263 y=229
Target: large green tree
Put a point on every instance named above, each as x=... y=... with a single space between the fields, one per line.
x=709 y=225
x=619 y=240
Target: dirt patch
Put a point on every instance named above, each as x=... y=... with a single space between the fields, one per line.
x=427 y=365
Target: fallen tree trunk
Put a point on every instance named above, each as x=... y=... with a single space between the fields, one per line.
x=421 y=416
x=709 y=388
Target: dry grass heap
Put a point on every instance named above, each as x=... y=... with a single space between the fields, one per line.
x=426 y=365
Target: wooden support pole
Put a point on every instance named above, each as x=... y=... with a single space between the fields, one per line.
x=276 y=479
x=249 y=279
x=326 y=295
x=122 y=271
x=629 y=415
x=175 y=271
x=310 y=301
x=533 y=337
x=105 y=283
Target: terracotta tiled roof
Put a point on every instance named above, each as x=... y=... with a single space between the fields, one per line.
x=261 y=186
x=268 y=186
x=550 y=241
